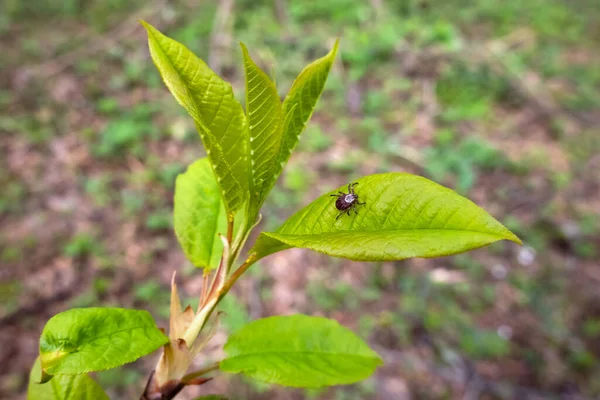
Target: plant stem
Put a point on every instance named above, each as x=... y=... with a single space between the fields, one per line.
x=236 y=275
x=197 y=324
x=210 y=298
x=229 y=231
x=224 y=266
x=215 y=295
x=205 y=282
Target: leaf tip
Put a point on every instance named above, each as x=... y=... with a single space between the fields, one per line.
x=513 y=238
x=506 y=234
x=145 y=24
x=150 y=30
x=335 y=47
x=45 y=377
x=153 y=33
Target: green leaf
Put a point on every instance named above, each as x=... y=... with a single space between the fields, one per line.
x=63 y=387
x=404 y=216
x=92 y=339
x=300 y=102
x=265 y=119
x=199 y=215
x=299 y=351
x=218 y=115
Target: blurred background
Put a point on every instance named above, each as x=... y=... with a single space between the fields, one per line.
x=499 y=100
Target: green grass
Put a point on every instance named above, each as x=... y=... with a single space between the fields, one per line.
x=127 y=134
x=462 y=159
x=82 y=245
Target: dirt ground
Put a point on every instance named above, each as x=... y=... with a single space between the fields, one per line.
x=501 y=103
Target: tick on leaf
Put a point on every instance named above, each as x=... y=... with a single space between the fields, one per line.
x=347 y=201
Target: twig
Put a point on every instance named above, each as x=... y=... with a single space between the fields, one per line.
x=282 y=17
x=95 y=44
x=403 y=359
x=219 y=37
x=215 y=284
x=494 y=55
x=205 y=283
x=236 y=275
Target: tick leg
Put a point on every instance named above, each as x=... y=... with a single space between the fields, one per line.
x=360 y=204
x=351 y=187
x=339 y=215
x=333 y=195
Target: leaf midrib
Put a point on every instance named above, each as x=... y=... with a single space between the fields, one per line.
x=165 y=57
x=260 y=188
x=383 y=231
x=111 y=365
x=96 y=338
x=259 y=353
x=200 y=120
x=280 y=146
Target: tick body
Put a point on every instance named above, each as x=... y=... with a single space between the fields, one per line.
x=347 y=201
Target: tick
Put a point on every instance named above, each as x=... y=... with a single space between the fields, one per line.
x=347 y=201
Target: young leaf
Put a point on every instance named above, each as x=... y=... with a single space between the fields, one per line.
x=300 y=102
x=404 y=216
x=199 y=215
x=218 y=115
x=92 y=339
x=299 y=351
x=63 y=387
x=265 y=118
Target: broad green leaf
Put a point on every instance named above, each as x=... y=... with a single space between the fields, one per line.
x=404 y=216
x=218 y=115
x=265 y=119
x=63 y=387
x=92 y=339
x=299 y=351
x=199 y=215
x=300 y=102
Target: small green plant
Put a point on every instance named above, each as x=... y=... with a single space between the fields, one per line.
x=461 y=158
x=81 y=245
x=217 y=204
x=126 y=134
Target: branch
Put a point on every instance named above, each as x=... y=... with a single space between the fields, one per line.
x=220 y=37
x=236 y=275
x=205 y=283
x=94 y=44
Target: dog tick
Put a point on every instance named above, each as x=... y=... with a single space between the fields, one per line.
x=347 y=201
